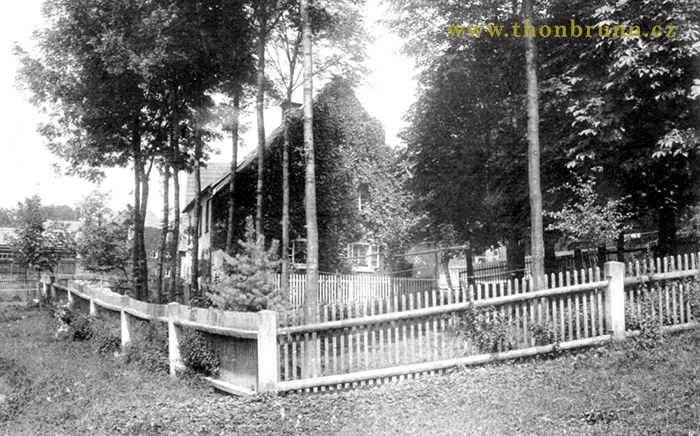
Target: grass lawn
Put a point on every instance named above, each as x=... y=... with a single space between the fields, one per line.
x=53 y=386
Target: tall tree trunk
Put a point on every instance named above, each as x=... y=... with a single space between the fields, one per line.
x=285 y=201
x=533 y=137
x=311 y=295
x=139 y=266
x=143 y=266
x=163 y=232
x=259 y=106
x=234 y=165
x=175 y=240
x=197 y=215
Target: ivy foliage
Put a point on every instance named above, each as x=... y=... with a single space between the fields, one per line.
x=350 y=153
x=197 y=353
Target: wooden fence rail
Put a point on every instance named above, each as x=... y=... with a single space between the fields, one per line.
x=249 y=337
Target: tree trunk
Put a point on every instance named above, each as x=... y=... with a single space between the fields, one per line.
x=621 y=247
x=194 y=283
x=550 y=255
x=533 y=122
x=175 y=240
x=284 y=286
x=311 y=296
x=234 y=166
x=602 y=256
x=163 y=233
x=667 y=231
x=578 y=259
x=143 y=266
x=445 y=265
x=140 y=269
x=515 y=252
x=259 y=106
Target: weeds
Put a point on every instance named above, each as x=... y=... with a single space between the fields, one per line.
x=484 y=331
x=197 y=353
x=149 y=348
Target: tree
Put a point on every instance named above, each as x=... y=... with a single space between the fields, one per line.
x=38 y=245
x=249 y=281
x=103 y=241
x=533 y=154
x=92 y=78
x=586 y=220
x=341 y=39
x=311 y=292
x=635 y=107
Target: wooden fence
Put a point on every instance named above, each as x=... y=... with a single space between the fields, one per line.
x=344 y=289
x=372 y=341
x=244 y=342
x=13 y=288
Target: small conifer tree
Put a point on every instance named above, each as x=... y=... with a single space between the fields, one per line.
x=249 y=280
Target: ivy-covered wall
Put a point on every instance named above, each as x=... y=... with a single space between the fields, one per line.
x=350 y=151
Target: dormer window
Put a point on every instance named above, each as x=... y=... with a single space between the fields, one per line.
x=363 y=197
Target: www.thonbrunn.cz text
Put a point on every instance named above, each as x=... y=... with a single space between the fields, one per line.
x=574 y=31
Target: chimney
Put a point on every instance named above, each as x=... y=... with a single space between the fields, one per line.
x=293 y=106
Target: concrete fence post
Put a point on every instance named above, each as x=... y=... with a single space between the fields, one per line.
x=268 y=366
x=125 y=321
x=615 y=300
x=71 y=299
x=173 y=337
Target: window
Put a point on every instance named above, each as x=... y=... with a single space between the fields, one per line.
x=206 y=216
x=363 y=197
x=363 y=254
x=298 y=253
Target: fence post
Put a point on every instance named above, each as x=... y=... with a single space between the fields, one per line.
x=173 y=337
x=615 y=300
x=267 y=351
x=70 y=298
x=93 y=307
x=125 y=321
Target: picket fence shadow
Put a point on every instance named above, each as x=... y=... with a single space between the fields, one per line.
x=374 y=341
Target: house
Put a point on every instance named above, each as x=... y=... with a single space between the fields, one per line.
x=354 y=186
x=66 y=265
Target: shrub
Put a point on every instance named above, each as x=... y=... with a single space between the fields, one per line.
x=106 y=339
x=197 y=353
x=149 y=348
x=249 y=280
x=646 y=321
x=485 y=330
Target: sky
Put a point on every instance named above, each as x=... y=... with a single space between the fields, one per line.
x=27 y=166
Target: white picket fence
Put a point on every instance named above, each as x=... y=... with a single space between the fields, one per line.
x=342 y=289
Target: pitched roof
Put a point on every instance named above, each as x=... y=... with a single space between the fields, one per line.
x=217 y=180
x=207 y=175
